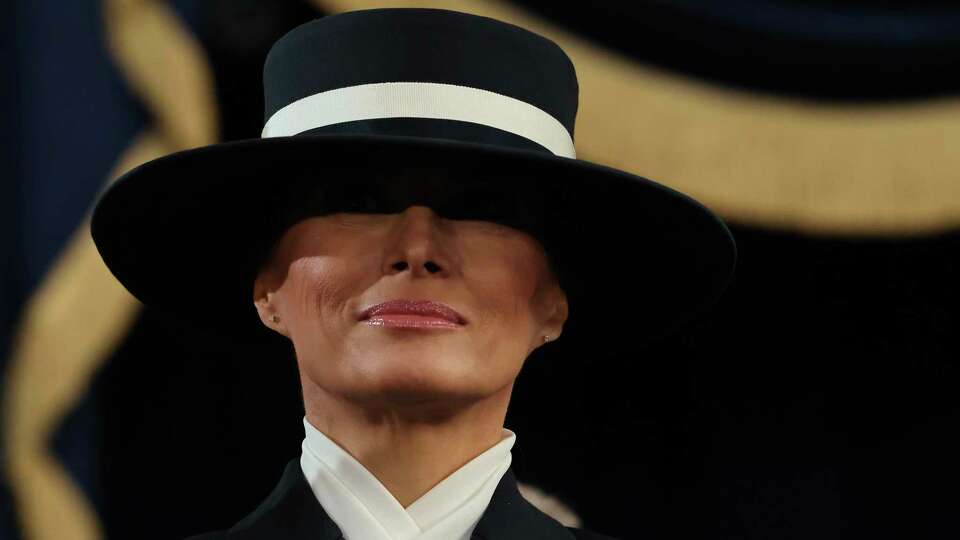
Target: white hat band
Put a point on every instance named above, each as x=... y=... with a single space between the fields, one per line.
x=422 y=100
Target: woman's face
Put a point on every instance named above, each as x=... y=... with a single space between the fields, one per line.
x=325 y=270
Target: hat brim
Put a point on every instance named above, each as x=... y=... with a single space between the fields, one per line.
x=175 y=230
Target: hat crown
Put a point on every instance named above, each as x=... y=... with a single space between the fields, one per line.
x=422 y=72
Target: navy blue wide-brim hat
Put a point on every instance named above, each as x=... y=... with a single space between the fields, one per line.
x=453 y=96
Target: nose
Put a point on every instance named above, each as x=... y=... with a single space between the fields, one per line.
x=418 y=244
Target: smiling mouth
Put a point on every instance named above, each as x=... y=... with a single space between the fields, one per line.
x=416 y=313
x=410 y=320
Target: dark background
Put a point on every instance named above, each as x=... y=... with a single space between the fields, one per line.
x=817 y=400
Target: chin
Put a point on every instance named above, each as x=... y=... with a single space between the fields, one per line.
x=423 y=382
x=413 y=386
x=430 y=402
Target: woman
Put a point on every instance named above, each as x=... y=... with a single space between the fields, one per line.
x=414 y=221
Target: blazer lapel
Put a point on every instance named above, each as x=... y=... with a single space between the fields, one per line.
x=509 y=516
x=292 y=511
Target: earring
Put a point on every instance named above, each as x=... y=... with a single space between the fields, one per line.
x=276 y=319
x=546 y=339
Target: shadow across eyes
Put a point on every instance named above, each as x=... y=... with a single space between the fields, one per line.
x=511 y=203
x=517 y=203
x=468 y=201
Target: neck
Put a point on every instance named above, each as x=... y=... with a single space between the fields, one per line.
x=409 y=448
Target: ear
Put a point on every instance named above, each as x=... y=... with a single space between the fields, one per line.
x=553 y=326
x=265 y=300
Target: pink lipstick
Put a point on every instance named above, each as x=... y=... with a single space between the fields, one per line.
x=404 y=313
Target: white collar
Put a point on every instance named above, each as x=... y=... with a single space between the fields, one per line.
x=365 y=510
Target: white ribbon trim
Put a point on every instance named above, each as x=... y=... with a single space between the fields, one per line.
x=422 y=100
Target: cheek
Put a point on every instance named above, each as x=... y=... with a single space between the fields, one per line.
x=505 y=288
x=320 y=295
x=320 y=337
x=320 y=286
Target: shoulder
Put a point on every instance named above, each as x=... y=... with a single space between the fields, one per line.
x=583 y=534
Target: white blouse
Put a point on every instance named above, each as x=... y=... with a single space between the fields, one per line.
x=365 y=510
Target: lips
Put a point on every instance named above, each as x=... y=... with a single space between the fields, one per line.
x=425 y=308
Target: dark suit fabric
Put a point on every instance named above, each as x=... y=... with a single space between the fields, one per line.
x=292 y=512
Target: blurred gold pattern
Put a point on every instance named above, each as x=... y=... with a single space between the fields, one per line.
x=80 y=313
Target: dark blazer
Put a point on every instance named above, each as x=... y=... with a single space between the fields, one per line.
x=292 y=512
